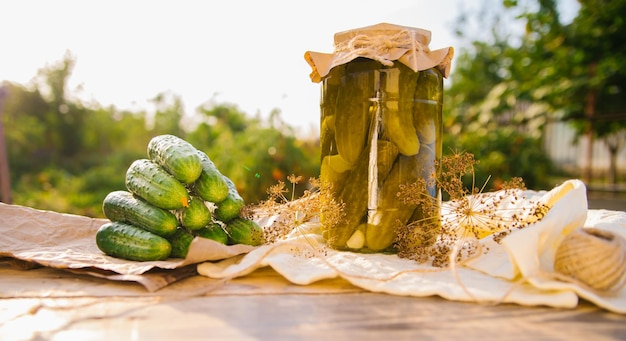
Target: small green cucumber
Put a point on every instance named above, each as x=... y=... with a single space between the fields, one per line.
x=125 y=207
x=177 y=156
x=130 y=242
x=391 y=212
x=211 y=185
x=196 y=216
x=354 y=194
x=427 y=106
x=245 y=231
x=397 y=116
x=214 y=232
x=152 y=183
x=230 y=207
x=353 y=107
x=180 y=241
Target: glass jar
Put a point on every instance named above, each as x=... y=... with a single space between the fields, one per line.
x=380 y=130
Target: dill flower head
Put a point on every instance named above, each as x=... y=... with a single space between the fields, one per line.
x=289 y=213
x=468 y=216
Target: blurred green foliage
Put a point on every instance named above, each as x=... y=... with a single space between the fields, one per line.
x=507 y=84
x=66 y=157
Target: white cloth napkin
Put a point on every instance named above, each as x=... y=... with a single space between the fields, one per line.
x=517 y=270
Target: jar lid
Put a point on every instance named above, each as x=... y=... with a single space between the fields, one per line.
x=385 y=43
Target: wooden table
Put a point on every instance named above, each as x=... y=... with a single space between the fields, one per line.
x=50 y=304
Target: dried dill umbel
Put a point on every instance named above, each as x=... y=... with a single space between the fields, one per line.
x=451 y=230
x=290 y=212
x=415 y=240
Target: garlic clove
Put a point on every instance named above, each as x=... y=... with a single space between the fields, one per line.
x=594 y=257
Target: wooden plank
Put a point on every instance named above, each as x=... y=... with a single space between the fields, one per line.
x=56 y=304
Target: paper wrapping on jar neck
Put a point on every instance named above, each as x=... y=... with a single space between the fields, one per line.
x=385 y=43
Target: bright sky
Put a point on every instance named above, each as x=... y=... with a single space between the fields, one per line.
x=244 y=52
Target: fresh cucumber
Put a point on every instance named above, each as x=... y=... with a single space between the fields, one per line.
x=177 y=156
x=211 y=185
x=196 y=216
x=214 y=232
x=180 y=241
x=152 y=183
x=130 y=242
x=231 y=207
x=245 y=231
x=125 y=207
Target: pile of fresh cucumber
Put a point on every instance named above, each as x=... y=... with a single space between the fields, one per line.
x=173 y=196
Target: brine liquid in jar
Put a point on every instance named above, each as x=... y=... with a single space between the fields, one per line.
x=380 y=132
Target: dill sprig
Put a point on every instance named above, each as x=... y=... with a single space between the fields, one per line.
x=291 y=212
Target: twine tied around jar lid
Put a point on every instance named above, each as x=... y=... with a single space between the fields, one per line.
x=378 y=47
x=384 y=43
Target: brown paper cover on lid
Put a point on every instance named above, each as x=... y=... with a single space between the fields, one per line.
x=385 y=43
